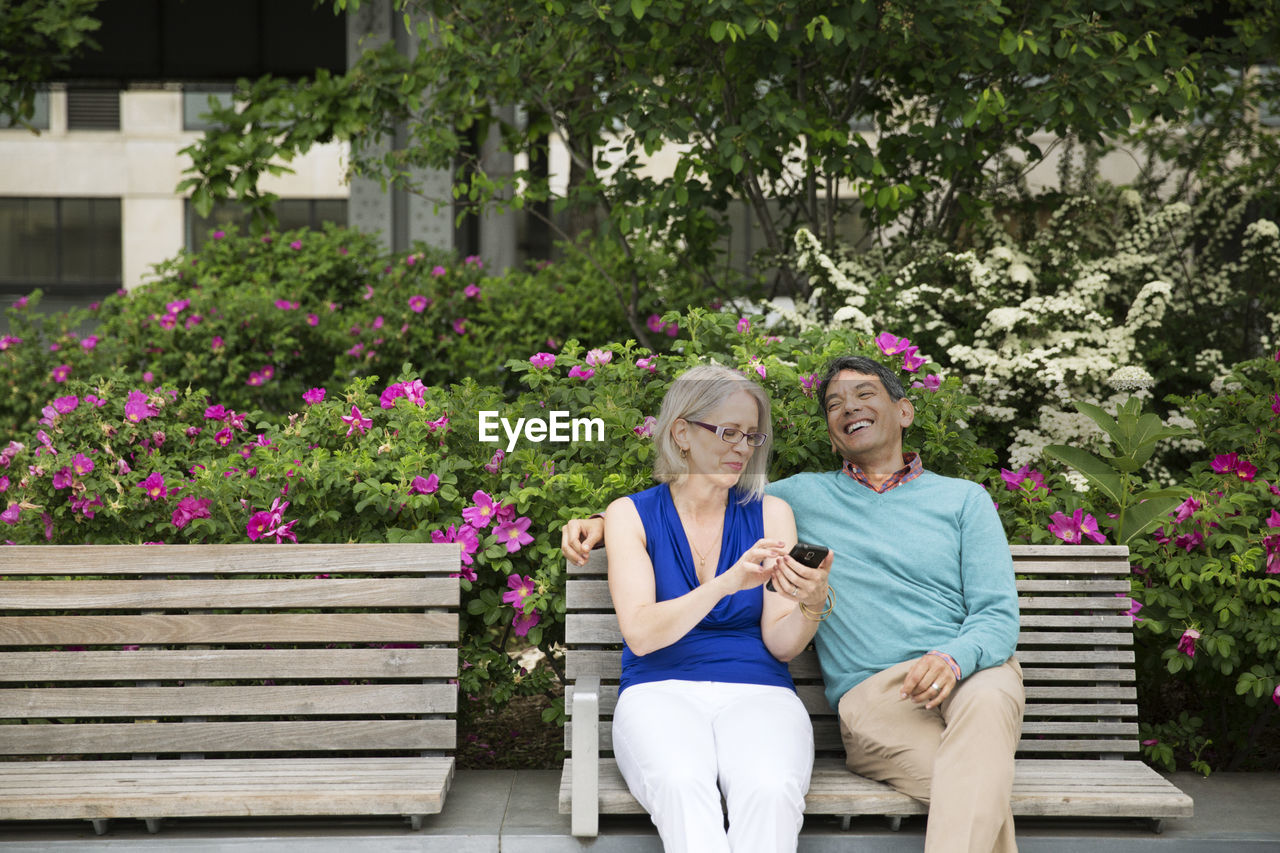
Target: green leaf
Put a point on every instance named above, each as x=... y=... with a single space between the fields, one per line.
x=1099 y=474
x=1142 y=517
x=717 y=31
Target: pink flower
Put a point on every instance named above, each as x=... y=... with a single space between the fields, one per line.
x=758 y=367
x=82 y=465
x=1134 y=607
x=494 y=465
x=439 y=423
x=296 y=245
x=912 y=362
x=523 y=622
x=137 y=409
x=654 y=323
x=4 y=484
x=61 y=373
x=1275 y=403
x=10 y=515
x=223 y=437
x=258 y=525
x=580 y=372
x=513 y=534
x=646 y=429
x=1224 y=463
x=464 y=535
x=1073 y=530
x=744 y=325
x=65 y=405
x=438 y=271
x=424 y=485
x=1275 y=695
x=1273 y=520
x=931 y=382
x=7 y=341
x=482 y=513
x=286 y=305
x=62 y=479
x=216 y=412
x=647 y=363
x=255 y=379
x=673 y=329
x=891 y=344
x=1189 y=541
x=313 y=319
x=418 y=303
x=599 y=357
x=189 y=509
x=89 y=342
x=368 y=292
x=218 y=235
x=177 y=306
x=1246 y=471
x=153 y=485
x=270 y=522
x=1187 y=642
x=356 y=421
x=1185 y=510
x=1023 y=480
x=389 y=396
x=518 y=588
x=471 y=291
x=473 y=260
x=808 y=383
x=460 y=326
x=410 y=260
x=313 y=396
x=217 y=343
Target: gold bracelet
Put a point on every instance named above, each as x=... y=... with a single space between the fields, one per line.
x=825 y=612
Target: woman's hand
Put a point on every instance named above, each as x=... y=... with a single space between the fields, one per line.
x=756 y=565
x=802 y=583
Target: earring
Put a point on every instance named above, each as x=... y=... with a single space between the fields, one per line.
x=684 y=453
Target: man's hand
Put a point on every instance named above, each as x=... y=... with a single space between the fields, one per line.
x=929 y=681
x=579 y=536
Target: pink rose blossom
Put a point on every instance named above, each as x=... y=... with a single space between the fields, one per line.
x=296 y=245
x=356 y=421
x=646 y=429
x=418 y=303
x=599 y=357
x=542 y=360
x=424 y=485
x=189 y=509
x=647 y=363
x=61 y=373
x=513 y=534
x=438 y=271
x=137 y=409
x=471 y=291
x=1187 y=642
x=495 y=462
x=580 y=372
x=931 y=382
x=479 y=515
x=460 y=326
x=891 y=344
x=82 y=465
x=1075 y=528
x=153 y=485
x=62 y=478
x=744 y=325
x=89 y=342
x=10 y=515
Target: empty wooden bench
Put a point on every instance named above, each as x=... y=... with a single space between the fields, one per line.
x=226 y=680
x=1078 y=736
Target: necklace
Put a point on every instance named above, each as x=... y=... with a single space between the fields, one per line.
x=702 y=560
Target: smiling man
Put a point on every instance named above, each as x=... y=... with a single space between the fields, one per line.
x=917 y=656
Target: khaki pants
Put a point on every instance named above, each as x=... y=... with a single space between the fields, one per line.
x=957 y=757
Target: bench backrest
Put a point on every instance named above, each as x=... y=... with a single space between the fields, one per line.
x=1075 y=647
x=227 y=650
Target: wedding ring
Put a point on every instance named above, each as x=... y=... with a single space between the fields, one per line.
x=937 y=687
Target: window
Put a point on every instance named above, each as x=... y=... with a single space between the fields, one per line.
x=195 y=103
x=291 y=213
x=39 y=119
x=64 y=245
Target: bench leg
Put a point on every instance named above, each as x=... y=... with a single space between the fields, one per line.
x=416 y=821
x=1157 y=825
x=99 y=825
x=153 y=824
x=895 y=822
x=846 y=821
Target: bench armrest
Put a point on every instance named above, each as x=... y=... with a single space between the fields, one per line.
x=585 y=818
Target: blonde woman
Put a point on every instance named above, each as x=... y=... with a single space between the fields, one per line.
x=706 y=705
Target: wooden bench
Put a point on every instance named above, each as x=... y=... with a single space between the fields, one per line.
x=1075 y=647
x=226 y=680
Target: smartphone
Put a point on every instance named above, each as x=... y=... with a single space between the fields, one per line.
x=806 y=555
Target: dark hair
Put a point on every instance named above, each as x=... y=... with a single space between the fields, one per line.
x=858 y=364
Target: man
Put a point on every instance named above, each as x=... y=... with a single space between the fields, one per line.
x=918 y=655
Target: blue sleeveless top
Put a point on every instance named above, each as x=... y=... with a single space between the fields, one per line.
x=726 y=645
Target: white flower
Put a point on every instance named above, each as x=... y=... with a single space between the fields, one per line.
x=1130 y=378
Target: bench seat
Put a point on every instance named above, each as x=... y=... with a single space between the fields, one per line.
x=227 y=681
x=1079 y=732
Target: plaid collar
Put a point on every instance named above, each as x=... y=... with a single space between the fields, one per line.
x=914 y=468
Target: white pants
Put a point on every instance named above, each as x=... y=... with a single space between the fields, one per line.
x=679 y=744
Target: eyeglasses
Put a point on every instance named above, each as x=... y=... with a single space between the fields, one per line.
x=734 y=435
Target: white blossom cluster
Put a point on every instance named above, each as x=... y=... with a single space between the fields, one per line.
x=1032 y=328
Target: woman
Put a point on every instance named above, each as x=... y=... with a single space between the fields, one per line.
x=706 y=704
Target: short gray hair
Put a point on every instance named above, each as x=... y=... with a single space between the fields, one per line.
x=694 y=394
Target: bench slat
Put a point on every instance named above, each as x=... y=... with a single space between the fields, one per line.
x=163 y=629
x=379 y=558
x=173 y=664
x=296 y=700
x=271 y=736
x=148 y=789
x=273 y=594
x=1133 y=790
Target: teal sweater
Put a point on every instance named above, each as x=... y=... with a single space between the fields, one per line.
x=923 y=566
